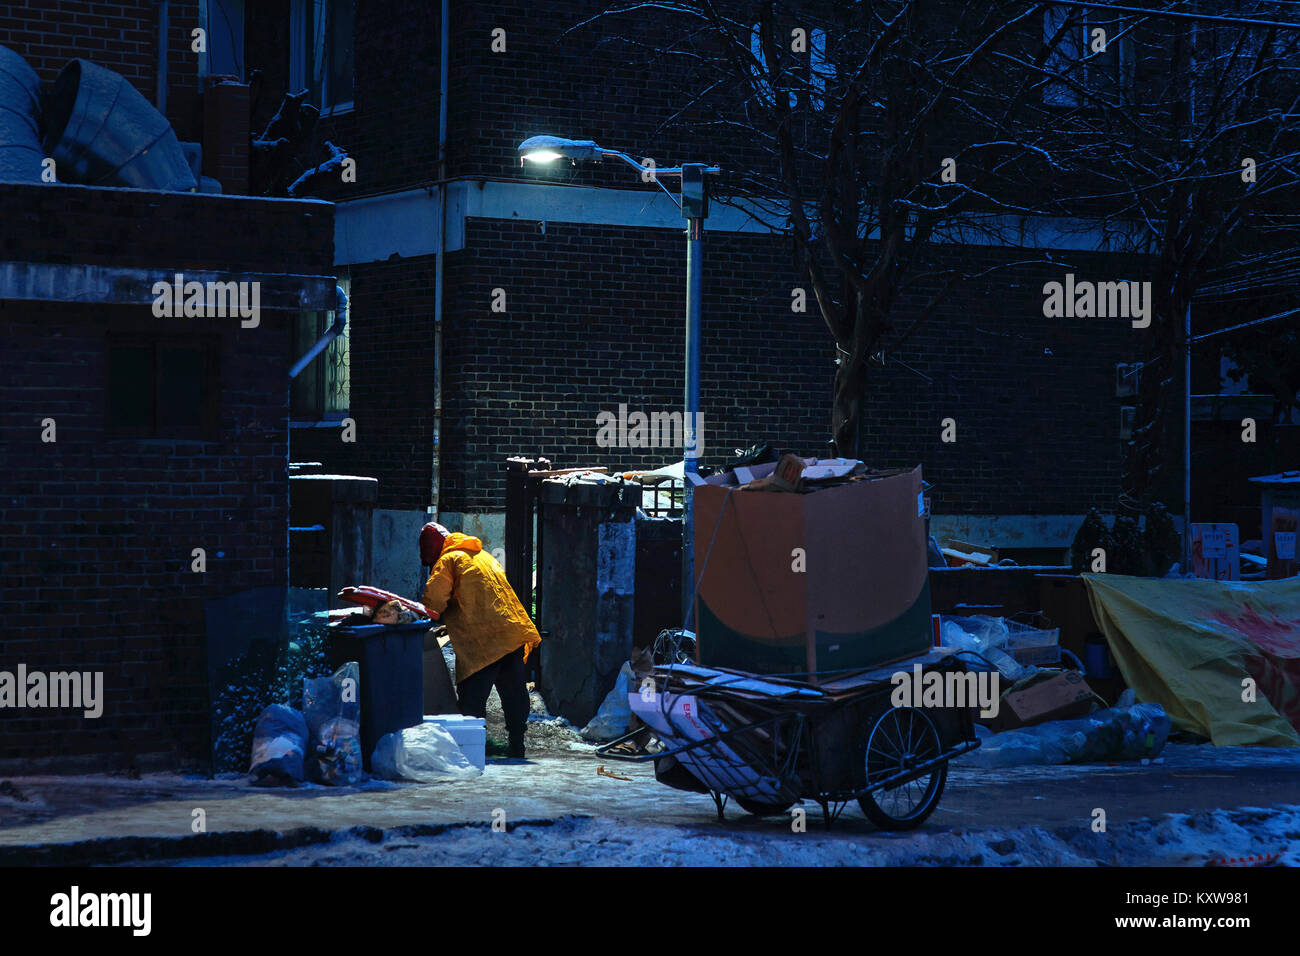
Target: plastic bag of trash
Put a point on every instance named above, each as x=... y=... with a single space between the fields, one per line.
x=279 y=746
x=1117 y=733
x=615 y=714
x=425 y=753
x=983 y=639
x=332 y=708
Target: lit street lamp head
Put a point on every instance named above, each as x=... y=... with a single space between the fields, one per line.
x=547 y=149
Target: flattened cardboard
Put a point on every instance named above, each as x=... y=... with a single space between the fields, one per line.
x=1060 y=697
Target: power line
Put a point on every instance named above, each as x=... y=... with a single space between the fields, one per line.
x=1246 y=325
x=1177 y=15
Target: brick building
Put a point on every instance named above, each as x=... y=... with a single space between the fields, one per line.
x=590 y=267
x=144 y=514
x=584 y=264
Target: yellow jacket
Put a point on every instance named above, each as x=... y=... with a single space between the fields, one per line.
x=484 y=618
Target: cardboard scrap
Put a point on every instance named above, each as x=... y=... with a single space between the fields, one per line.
x=1059 y=697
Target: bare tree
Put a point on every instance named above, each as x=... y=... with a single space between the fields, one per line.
x=1195 y=148
x=868 y=131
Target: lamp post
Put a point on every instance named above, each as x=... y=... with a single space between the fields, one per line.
x=694 y=204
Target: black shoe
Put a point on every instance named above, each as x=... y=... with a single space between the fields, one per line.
x=516 y=751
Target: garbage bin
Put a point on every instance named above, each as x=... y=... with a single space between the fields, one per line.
x=391 y=657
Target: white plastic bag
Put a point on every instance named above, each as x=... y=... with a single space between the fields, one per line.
x=984 y=640
x=615 y=714
x=425 y=753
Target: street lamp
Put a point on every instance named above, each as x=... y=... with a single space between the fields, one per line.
x=694 y=204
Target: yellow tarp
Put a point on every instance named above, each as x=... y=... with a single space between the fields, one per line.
x=1189 y=644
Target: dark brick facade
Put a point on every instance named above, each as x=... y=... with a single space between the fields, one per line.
x=595 y=313
x=97 y=530
x=1037 y=418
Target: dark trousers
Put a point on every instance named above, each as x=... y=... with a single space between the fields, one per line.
x=509 y=675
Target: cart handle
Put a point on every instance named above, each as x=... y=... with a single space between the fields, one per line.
x=603 y=750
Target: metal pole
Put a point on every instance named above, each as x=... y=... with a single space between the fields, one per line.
x=691 y=451
x=1187 y=439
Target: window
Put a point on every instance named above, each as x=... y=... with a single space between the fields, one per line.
x=818 y=67
x=1075 y=60
x=224 y=22
x=322 y=391
x=320 y=55
x=162 y=388
x=1066 y=56
x=760 y=68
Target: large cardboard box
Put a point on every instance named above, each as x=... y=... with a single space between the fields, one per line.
x=828 y=580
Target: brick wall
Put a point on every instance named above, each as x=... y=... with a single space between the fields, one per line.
x=545 y=82
x=1037 y=420
x=96 y=531
x=226 y=136
x=595 y=318
x=1036 y=432
x=595 y=314
x=516 y=383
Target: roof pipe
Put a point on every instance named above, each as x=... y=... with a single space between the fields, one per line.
x=160 y=92
x=21 y=157
x=333 y=332
x=435 y=496
x=102 y=132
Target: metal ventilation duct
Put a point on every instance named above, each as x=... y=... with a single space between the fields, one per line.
x=102 y=132
x=20 y=106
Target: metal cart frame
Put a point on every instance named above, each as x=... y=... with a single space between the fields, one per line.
x=810 y=747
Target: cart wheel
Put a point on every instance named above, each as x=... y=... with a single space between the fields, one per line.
x=759 y=809
x=901 y=738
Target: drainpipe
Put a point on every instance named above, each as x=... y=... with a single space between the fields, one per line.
x=333 y=332
x=160 y=95
x=1187 y=439
x=436 y=479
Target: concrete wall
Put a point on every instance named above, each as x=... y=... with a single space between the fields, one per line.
x=395 y=554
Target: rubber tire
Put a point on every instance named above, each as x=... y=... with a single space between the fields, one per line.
x=934 y=791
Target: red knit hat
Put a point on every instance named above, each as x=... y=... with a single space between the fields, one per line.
x=432 y=536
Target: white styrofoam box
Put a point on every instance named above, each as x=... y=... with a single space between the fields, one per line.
x=470 y=734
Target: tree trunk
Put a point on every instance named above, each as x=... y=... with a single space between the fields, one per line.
x=846 y=408
x=851 y=377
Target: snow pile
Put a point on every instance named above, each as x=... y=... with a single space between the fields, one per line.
x=1264 y=837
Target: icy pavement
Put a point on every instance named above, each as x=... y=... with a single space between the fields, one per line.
x=1257 y=836
x=563 y=802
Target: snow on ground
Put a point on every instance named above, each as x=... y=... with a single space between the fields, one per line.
x=611 y=812
x=1177 y=839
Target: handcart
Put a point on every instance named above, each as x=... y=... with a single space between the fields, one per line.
x=769 y=742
